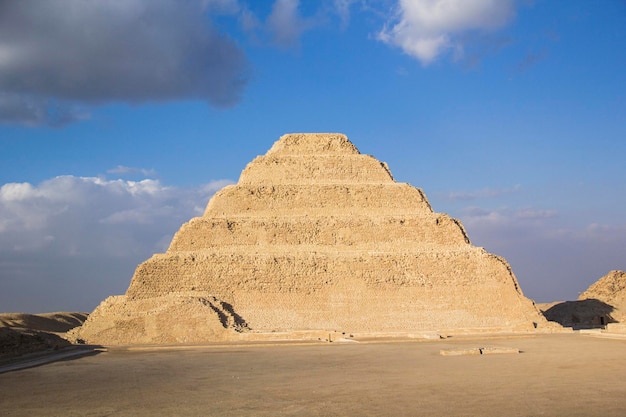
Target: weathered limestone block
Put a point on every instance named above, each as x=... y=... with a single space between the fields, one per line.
x=309 y=270
x=313 y=144
x=356 y=232
x=327 y=169
x=460 y=352
x=315 y=237
x=317 y=199
x=619 y=328
x=496 y=350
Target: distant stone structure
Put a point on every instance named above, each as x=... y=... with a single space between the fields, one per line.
x=602 y=305
x=315 y=236
x=611 y=291
x=580 y=314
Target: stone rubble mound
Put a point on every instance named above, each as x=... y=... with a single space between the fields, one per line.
x=610 y=290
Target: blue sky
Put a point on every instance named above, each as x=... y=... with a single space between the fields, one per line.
x=119 y=120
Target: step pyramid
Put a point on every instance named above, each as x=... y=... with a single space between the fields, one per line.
x=315 y=236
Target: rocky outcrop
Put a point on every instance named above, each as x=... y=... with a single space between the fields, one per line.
x=611 y=290
x=166 y=319
x=315 y=236
x=602 y=305
x=22 y=333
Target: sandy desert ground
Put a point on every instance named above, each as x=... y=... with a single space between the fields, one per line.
x=554 y=375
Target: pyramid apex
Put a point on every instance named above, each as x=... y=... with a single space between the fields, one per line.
x=313 y=143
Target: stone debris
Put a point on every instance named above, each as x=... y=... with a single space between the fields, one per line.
x=315 y=236
x=459 y=352
x=478 y=351
x=497 y=350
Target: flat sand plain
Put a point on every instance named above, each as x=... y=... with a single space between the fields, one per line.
x=554 y=375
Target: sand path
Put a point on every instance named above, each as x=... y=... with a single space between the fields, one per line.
x=555 y=375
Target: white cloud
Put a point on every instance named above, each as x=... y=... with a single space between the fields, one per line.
x=248 y=21
x=16 y=191
x=286 y=24
x=212 y=187
x=505 y=215
x=106 y=227
x=482 y=193
x=532 y=214
x=124 y=170
x=29 y=212
x=425 y=29
x=342 y=8
x=222 y=6
x=550 y=256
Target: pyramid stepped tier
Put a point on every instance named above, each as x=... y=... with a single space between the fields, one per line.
x=315 y=236
x=285 y=290
x=324 y=169
x=316 y=144
x=327 y=199
x=386 y=233
x=308 y=271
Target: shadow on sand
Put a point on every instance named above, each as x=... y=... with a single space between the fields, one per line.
x=32 y=360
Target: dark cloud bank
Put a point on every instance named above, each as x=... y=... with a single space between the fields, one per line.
x=59 y=56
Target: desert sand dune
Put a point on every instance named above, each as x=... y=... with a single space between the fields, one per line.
x=59 y=322
x=22 y=333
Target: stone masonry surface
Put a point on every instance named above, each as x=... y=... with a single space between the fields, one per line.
x=315 y=236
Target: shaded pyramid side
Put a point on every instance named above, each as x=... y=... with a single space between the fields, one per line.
x=316 y=235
